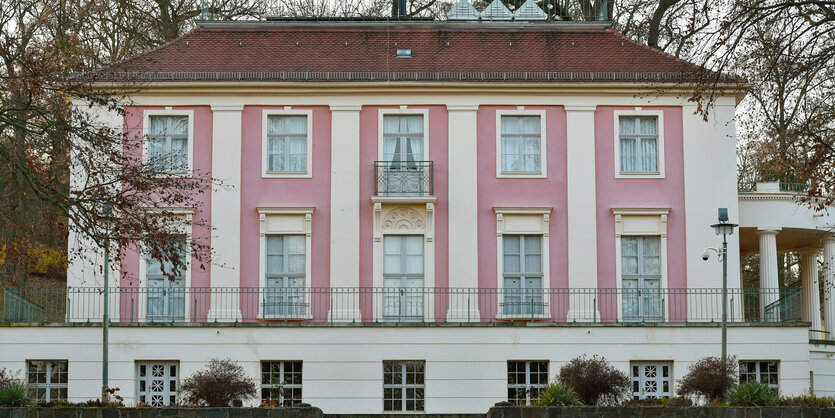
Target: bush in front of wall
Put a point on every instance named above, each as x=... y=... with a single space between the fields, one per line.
x=808 y=401
x=674 y=401
x=594 y=379
x=753 y=394
x=710 y=377
x=14 y=394
x=557 y=395
x=221 y=384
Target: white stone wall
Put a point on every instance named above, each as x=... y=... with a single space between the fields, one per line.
x=466 y=369
x=822 y=364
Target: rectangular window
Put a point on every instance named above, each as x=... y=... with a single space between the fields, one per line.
x=638 y=144
x=47 y=380
x=168 y=143
x=521 y=139
x=287 y=144
x=281 y=382
x=285 y=273
x=156 y=383
x=522 y=261
x=166 y=294
x=641 y=275
x=651 y=380
x=403 y=277
x=525 y=379
x=765 y=372
x=403 y=385
x=403 y=140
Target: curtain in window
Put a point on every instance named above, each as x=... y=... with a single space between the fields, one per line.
x=287 y=146
x=414 y=254
x=512 y=262
x=275 y=256
x=275 y=154
x=652 y=256
x=179 y=154
x=628 y=153
x=295 y=253
x=629 y=255
x=649 y=160
x=533 y=254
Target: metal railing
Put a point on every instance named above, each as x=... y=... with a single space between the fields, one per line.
x=403 y=178
x=411 y=304
x=784 y=187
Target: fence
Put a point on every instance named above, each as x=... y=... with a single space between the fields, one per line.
x=397 y=304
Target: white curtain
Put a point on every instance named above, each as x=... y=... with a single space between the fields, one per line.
x=533 y=254
x=629 y=255
x=651 y=256
x=275 y=255
x=295 y=253
x=414 y=254
x=649 y=160
x=627 y=154
x=298 y=154
x=276 y=154
x=287 y=150
x=512 y=251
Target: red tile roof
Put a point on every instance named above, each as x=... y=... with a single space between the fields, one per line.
x=311 y=51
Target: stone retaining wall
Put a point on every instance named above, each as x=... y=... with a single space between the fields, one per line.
x=659 y=411
x=307 y=412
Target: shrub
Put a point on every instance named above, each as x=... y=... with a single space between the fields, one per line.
x=14 y=394
x=674 y=401
x=594 y=379
x=49 y=263
x=752 y=394
x=709 y=377
x=808 y=401
x=222 y=383
x=557 y=395
x=6 y=377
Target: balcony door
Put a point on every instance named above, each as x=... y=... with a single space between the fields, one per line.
x=403 y=278
x=403 y=168
x=166 y=295
x=641 y=274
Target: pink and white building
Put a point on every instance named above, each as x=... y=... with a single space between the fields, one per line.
x=435 y=216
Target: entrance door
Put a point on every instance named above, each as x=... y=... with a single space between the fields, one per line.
x=403 y=278
x=650 y=380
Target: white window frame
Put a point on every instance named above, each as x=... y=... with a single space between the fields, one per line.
x=282 y=364
x=187 y=214
x=166 y=379
x=638 y=111
x=403 y=385
x=402 y=111
x=48 y=385
x=641 y=378
x=543 y=150
x=287 y=111
x=527 y=386
x=169 y=111
x=289 y=221
x=758 y=375
x=524 y=221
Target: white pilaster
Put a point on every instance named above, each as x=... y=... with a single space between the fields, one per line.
x=582 y=206
x=811 y=295
x=345 y=210
x=769 y=281
x=463 y=209
x=226 y=212
x=829 y=286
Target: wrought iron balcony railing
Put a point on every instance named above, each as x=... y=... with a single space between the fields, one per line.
x=397 y=304
x=403 y=178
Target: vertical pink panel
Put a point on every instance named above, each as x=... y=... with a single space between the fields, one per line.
x=640 y=193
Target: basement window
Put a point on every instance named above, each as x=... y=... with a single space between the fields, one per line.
x=404 y=53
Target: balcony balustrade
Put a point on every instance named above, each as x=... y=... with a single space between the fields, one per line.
x=403 y=178
x=398 y=304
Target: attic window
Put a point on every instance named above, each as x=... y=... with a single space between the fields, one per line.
x=404 y=53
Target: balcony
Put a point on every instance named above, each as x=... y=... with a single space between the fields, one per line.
x=399 y=305
x=403 y=178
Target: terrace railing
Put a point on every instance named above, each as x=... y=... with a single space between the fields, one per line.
x=394 y=305
x=403 y=178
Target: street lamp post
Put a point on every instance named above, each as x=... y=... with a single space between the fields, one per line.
x=724 y=228
x=107 y=210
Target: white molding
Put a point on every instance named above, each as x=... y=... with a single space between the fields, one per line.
x=502 y=228
x=227 y=107
x=345 y=108
x=287 y=111
x=639 y=111
x=169 y=111
x=402 y=110
x=306 y=229
x=404 y=199
x=543 y=144
x=640 y=211
x=462 y=107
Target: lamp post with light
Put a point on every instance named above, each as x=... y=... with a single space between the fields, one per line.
x=106 y=211
x=723 y=228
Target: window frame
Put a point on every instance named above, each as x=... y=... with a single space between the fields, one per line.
x=543 y=150
x=48 y=385
x=527 y=386
x=287 y=111
x=403 y=386
x=187 y=215
x=146 y=125
x=640 y=112
x=402 y=111
x=523 y=221
x=282 y=366
x=757 y=372
x=641 y=378
x=285 y=221
x=525 y=292
x=166 y=378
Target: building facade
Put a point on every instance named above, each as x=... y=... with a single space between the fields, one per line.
x=431 y=216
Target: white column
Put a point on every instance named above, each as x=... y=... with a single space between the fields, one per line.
x=226 y=213
x=811 y=296
x=463 y=213
x=582 y=208
x=829 y=286
x=769 y=280
x=345 y=211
